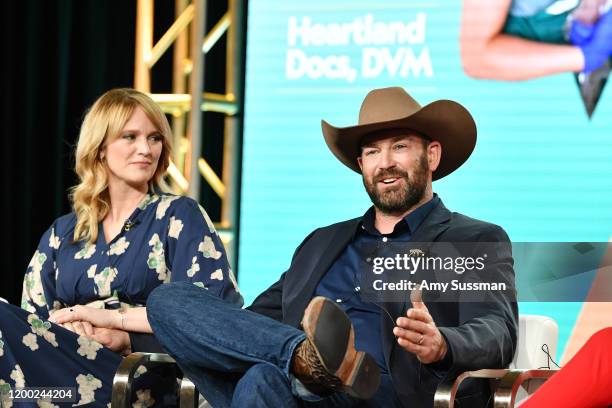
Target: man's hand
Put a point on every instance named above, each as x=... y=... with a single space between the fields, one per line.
x=418 y=334
x=116 y=340
x=81 y=328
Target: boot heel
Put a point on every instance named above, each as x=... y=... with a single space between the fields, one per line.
x=364 y=377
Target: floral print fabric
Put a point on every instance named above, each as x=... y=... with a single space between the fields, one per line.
x=167 y=238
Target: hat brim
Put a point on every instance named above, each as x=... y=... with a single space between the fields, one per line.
x=445 y=121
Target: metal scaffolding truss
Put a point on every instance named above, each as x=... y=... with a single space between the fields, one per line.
x=191 y=42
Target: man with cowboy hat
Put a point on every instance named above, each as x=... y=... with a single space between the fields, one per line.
x=311 y=339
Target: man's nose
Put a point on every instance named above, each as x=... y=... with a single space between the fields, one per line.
x=386 y=160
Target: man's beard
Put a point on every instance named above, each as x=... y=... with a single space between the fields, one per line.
x=399 y=200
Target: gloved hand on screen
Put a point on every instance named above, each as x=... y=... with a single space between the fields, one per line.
x=580 y=33
x=597 y=49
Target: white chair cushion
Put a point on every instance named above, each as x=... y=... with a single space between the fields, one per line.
x=535 y=332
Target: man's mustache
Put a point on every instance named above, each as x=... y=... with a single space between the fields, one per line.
x=385 y=174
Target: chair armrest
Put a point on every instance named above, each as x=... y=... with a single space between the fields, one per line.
x=447 y=390
x=122 y=382
x=508 y=386
x=190 y=397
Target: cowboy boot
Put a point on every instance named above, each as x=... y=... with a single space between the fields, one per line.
x=327 y=360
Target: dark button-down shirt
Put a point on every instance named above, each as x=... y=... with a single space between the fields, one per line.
x=342 y=284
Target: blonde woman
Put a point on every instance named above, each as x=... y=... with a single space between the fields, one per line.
x=86 y=287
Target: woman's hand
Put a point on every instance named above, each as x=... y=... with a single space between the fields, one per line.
x=131 y=319
x=100 y=318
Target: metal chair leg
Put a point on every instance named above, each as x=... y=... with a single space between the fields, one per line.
x=122 y=383
x=446 y=392
x=189 y=397
x=505 y=395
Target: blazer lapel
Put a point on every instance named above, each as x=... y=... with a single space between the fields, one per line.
x=432 y=226
x=330 y=249
x=337 y=243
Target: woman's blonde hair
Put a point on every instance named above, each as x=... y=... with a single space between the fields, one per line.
x=102 y=124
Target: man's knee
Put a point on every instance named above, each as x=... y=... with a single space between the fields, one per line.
x=166 y=298
x=170 y=304
x=157 y=300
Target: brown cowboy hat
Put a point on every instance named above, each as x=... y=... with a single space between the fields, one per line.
x=393 y=108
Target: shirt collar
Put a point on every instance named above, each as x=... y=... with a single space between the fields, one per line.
x=409 y=223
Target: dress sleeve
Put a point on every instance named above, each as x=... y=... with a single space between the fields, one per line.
x=39 y=291
x=196 y=253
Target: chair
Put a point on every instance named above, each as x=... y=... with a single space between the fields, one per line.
x=524 y=375
x=530 y=367
x=122 y=382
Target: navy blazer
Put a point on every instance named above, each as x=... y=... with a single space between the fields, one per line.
x=479 y=335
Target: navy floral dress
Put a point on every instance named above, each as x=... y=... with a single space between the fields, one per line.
x=168 y=238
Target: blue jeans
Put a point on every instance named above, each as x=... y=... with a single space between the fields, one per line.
x=237 y=358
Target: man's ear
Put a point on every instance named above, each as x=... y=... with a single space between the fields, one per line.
x=434 y=154
x=360 y=163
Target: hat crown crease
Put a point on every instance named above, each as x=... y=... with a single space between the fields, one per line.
x=385 y=105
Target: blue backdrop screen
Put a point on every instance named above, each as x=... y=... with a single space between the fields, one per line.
x=541 y=167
